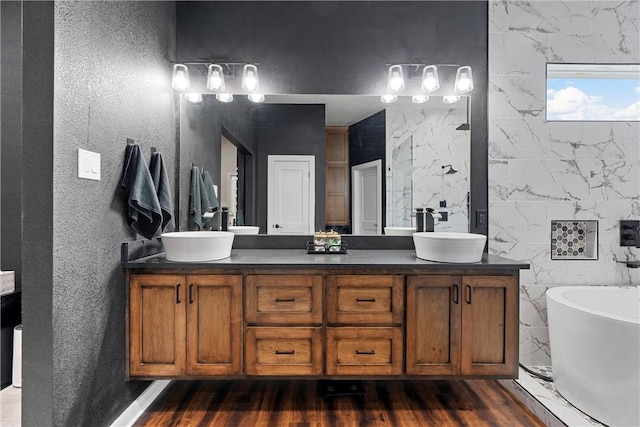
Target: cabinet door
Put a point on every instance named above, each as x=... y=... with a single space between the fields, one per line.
x=156 y=325
x=214 y=325
x=433 y=325
x=490 y=325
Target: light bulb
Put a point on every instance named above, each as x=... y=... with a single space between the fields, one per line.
x=450 y=99
x=395 y=82
x=464 y=80
x=193 y=97
x=215 y=78
x=180 y=79
x=250 y=78
x=388 y=99
x=419 y=99
x=256 y=97
x=224 y=97
x=430 y=81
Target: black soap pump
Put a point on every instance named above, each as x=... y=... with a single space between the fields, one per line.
x=419 y=220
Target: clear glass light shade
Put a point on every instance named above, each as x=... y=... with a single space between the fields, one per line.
x=196 y=98
x=419 y=99
x=250 y=78
x=215 y=78
x=430 y=80
x=450 y=99
x=464 y=80
x=180 y=78
x=256 y=97
x=395 y=81
x=388 y=99
x=224 y=97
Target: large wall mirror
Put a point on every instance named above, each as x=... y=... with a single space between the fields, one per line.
x=419 y=154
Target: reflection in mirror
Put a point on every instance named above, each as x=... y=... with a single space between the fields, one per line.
x=412 y=142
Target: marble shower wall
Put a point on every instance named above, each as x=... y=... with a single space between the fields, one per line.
x=436 y=142
x=540 y=171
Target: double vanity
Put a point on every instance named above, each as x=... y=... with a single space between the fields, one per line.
x=284 y=313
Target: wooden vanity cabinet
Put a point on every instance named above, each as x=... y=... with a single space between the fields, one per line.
x=462 y=325
x=185 y=325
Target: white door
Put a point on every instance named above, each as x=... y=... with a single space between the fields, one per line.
x=367 y=198
x=290 y=194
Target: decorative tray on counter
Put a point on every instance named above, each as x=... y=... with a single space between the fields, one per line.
x=313 y=249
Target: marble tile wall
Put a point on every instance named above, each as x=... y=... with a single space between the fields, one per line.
x=436 y=142
x=540 y=171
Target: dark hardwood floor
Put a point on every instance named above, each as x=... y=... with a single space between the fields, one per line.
x=300 y=404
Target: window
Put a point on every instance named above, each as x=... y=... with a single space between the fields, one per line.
x=593 y=92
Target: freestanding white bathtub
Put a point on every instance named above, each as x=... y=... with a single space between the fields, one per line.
x=594 y=332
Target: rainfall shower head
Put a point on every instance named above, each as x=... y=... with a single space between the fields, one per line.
x=451 y=170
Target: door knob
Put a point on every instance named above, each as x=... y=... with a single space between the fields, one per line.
x=277 y=226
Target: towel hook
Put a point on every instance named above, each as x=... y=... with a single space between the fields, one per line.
x=130 y=141
x=153 y=150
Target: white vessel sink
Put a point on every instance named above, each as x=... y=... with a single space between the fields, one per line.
x=196 y=246
x=244 y=229
x=399 y=231
x=449 y=247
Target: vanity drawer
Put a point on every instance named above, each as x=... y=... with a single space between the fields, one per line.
x=283 y=351
x=364 y=351
x=283 y=299
x=365 y=299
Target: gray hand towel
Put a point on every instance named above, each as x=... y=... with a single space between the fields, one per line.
x=211 y=200
x=163 y=190
x=197 y=198
x=145 y=214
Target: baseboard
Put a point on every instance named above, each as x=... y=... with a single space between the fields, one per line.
x=138 y=406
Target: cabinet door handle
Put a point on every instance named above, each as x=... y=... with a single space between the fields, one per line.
x=370 y=352
x=190 y=294
x=365 y=300
x=285 y=352
x=178 y=294
x=469 y=294
x=285 y=299
x=456 y=294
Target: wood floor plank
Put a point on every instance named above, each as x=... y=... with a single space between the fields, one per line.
x=280 y=403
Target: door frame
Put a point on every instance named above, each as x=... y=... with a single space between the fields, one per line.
x=311 y=159
x=356 y=173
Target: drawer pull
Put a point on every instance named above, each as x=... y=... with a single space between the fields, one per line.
x=178 y=294
x=285 y=299
x=365 y=299
x=370 y=352
x=456 y=294
x=285 y=352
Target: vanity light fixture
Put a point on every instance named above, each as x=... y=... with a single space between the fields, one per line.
x=464 y=80
x=388 y=99
x=250 y=78
x=215 y=78
x=193 y=97
x=224 y=97
x=256 y=97
x=430 y=80
x=180 y=79
x=395 y=81
x=450 y=99
x=419 y=99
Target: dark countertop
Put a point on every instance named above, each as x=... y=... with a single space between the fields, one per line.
x=299 y=259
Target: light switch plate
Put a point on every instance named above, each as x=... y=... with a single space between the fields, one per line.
x=88 y=165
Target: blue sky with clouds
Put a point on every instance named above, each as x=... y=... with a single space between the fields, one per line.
x=593 y=99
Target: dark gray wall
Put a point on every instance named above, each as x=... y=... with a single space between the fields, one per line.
x=11 y=147
x=201 y=126
x=37 y=214
x=283 y=129
x=111 y=82
x=343 y=47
